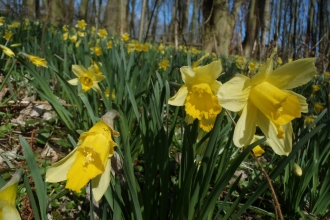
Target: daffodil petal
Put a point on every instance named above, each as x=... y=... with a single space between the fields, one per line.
x=233 y=95
x=179 y=98
x=78 y=70
x=8 y=191
x=302 y=101
x=246 y=126
x=292 y=75
x=101 y=182
x=264 y=73
x=58 y=171
x=187 y=74
x=8 y=211
x=281 y=146
x=74 y=82
x=209 y=73
x=96 y=87
x=215 y=86
x=99 y=78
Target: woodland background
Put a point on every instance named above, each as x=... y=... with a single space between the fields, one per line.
x=245 y=27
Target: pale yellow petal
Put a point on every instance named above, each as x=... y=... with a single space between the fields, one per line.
x=179 y=98
x=96 y=87
x=101 y=182
x=98 y=78
x=8 y=191
x=246 y=126
x=187 y=74
x=8 y=211
x=264 y=73
x=210 y=72
x=78 y=70
x=292 y=75
x=73 y=81
x=234 y=94
x=302 y=101
x=58 y=171
x=281 y=146
x=215 y=86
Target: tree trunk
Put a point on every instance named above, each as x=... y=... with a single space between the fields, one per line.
x=83 y=10
x=265 y=18
x=251 y=29
x=115 y=17
x=143 y=11
x=219 y=25
x=30 y=6
x=192 y=27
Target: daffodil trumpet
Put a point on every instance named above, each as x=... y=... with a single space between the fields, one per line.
x=90 y=160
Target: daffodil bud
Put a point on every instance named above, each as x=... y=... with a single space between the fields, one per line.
x=296 y=170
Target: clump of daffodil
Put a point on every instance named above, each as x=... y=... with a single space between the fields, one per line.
x=164 y=64
x=35 y=60
x=8 y=197
x=90 y=160
x=7 y=51
x=198 y=93
x=125 y=37
x=81 y=24
x=88 y=78
x=266 y=101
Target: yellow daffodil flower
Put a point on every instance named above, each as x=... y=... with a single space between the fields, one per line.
x=145 y=47
x=73 y=38
x=81 y=24
x=8 y=197
x=8 y=35
x=164 y=64
x=315 y=88
x=97 y=50
x=36 y=60
x=102 y=33
x=65 y=36
x=90 y=160
x=198 y=94
x=7 y=51
x=125 y=37
x=309 y=120
x=97 y=68
x=318 y=107
x=88 y=78
x=258 y=151
x=109 y=44
x=290 y=60
x=107 y=93
x=266 y=102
